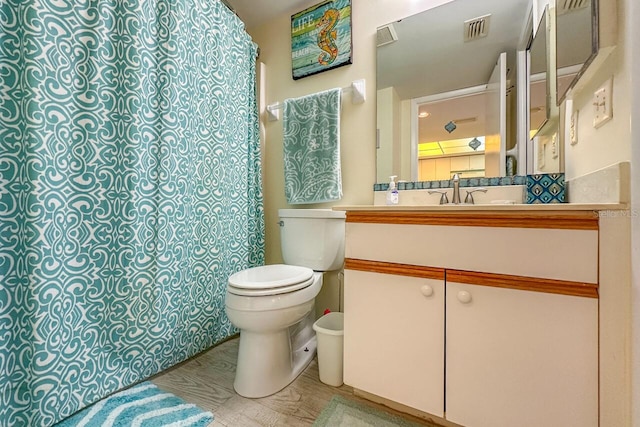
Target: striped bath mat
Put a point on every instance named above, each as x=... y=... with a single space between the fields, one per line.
x=143 y=405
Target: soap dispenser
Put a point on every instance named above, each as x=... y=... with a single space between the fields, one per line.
x=392 y=193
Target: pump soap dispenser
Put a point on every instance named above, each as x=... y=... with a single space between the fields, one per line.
x=392 y=193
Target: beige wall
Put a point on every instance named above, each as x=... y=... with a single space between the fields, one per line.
x=358 y=122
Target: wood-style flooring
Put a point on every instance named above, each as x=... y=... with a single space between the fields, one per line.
x=207 y=381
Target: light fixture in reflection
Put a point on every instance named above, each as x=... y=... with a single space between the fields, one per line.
x=424 y=114
x=450 y=127
x=475 y=143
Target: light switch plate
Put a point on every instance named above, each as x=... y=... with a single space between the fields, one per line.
x=542 y=148
x=573 y=128
x=602 y=100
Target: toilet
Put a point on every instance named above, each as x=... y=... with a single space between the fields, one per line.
x=273 y=305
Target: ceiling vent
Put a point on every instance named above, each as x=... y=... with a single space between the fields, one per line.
x=385 y=35
x=476 y=28
x=566 y=6
x=465 y=120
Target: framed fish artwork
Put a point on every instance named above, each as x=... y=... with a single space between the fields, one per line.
x=321 y=38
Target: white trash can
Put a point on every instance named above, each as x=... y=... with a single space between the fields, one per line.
x=330 y=333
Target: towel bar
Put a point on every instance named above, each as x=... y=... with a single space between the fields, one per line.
x=358 y=95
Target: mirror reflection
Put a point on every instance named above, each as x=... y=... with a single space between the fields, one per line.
x=435 y=92
x=462 y=151
x=546 y=155
x=576 y=41
x=538 y=94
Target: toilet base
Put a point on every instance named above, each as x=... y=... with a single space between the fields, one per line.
x=266 y=363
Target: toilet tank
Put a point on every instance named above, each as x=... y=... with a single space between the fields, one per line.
x=312 y=238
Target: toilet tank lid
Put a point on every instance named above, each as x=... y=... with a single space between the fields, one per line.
x=311 y=213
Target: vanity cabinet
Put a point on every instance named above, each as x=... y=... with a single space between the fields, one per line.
x=397 y=326
x=509 y=335
x=520 y=358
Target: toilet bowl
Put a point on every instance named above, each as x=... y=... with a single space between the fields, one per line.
x=273 y=305
x=272 y=352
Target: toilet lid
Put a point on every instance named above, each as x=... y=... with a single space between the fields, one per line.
x=270 y=280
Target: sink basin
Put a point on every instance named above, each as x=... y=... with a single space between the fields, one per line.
x=495 y=195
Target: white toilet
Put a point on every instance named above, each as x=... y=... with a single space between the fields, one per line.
x=273 y=305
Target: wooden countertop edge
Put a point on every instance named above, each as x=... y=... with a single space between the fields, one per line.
x=576 y=220
x=523 y=283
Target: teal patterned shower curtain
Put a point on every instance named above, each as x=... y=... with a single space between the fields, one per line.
x=129 y=191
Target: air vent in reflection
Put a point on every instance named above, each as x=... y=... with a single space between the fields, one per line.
x=465 y=120
x=386 y=35
x=476 y=28
x=566 y=6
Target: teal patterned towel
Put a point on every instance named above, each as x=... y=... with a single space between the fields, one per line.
x=312 y=148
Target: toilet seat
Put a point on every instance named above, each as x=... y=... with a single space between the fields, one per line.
x=270 y=280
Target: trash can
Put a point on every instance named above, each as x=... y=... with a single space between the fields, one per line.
x=330 y=333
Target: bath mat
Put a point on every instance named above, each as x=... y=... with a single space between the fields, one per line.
x=342 y=412
x=143 y=405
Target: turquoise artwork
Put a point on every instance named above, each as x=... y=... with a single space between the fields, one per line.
x=130 y=190
x=321 y=38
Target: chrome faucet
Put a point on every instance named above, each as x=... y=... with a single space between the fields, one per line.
x=456 y=189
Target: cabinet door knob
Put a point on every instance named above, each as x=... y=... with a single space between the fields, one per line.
x=464 y=297
x=426 y=290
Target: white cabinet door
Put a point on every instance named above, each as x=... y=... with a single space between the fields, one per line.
x=443 y=168
x=476 y=162
x=459 y=164
x=427 y=170
x=394 y=338
x=520 y=358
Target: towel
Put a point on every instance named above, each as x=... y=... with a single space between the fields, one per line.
x=312 y=148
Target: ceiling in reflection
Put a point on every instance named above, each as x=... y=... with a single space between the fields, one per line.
x=451 y=147
x=408 y=64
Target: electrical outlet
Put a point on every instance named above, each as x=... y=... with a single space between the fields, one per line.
x=602 y=100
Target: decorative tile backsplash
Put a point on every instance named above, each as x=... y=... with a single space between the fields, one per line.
x=448 y=183
x=546 y=188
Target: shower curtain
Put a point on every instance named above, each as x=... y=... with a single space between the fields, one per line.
x=129 y=192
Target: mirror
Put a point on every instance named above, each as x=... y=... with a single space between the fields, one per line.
x=539 y=91
x=425 y=56
x=545 y=152
x=576 y=41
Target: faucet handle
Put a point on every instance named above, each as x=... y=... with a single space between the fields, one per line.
x=469 y=198
x=443 y=196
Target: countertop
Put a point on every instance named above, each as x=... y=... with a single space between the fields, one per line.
x=488 y=207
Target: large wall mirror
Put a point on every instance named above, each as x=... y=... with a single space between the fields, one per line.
x=439 y=81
